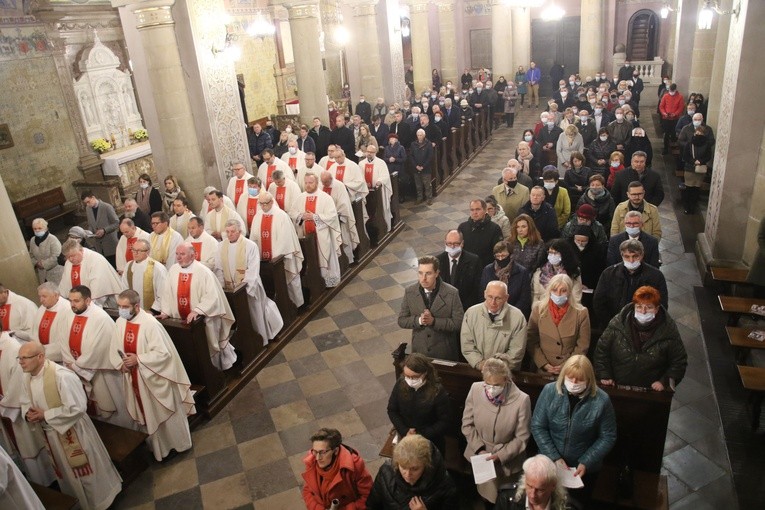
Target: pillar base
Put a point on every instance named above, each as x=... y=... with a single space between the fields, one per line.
x=705 y=259
x=90 y=166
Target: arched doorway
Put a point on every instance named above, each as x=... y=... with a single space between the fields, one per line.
x=643 y=35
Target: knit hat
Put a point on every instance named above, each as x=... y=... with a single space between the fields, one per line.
x=586 y=211
x=583 y=230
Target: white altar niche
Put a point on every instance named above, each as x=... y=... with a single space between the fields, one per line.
x=106 y=96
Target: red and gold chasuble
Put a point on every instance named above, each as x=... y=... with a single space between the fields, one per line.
x=130 y=344
x=5 y=316
x=197 y=250
x=43 y=330
x=310 y=206
x=184 y=294
x=292 y=163
x=238 y=190
x=269 y=171
x=129 y=250
x=281 y=191
x=75 y=335
x=252 y=210
x=369 y=169
x=340 y=173
x=76 y=275
x=265 y=236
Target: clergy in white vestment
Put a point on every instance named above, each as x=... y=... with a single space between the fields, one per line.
x=156 y=386
x=54 y=400
x=294 y=157
x=25 y=442
x=130 y=234
x=271 y=163
x=327 y=161
x=273 y=232
x=284 y=191
x=52 y=320
x=15 y=491
x=310 y=166
x=17 y=313
x=215 y=223
x=376 y=176
x=86 y=352
x=247 y=206
x=349 y=173
x=237 y=185
x=146 y=276
x=181 y=215
x=339 y=195
x=164 y=240
x=91 y=269
x=238 y=262
x=206 y=207
x=205 y=245
x=315 y=212
x=192 y=290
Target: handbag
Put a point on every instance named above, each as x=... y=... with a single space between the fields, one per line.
x=699 y=169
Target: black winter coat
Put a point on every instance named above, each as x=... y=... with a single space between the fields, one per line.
x=545 y=219
x=617 y=285
x=651 y=180
x=428 y=410
x=480 y=238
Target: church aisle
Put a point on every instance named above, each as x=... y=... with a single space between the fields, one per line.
x=338 y=372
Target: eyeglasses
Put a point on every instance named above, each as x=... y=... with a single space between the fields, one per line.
x=153 y=223
x=320 y=453
x=19 y=358
x=635 y=194
x=136 y=249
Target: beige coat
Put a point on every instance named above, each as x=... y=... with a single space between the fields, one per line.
x=481 y=338
x=548 y=343
x=651 y=219
x=47 y=253
x=500 y=430
x=511 y=203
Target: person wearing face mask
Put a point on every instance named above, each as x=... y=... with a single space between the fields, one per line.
x=592 y=255
x=585 y=126
x=507 y=270
x=522 y=83
x=464 y=268
x=568 y=142
x=510 y=97
x=615 y=165
x=600 y=199
x=555 y=195
x=548 y=138
x=601 y=117
x=493 y=102
x=697 y=157
x=577 y=177
x=159 y=397
x=496 y=423
x=620 y=130
x=633 y=223
x=618 y=283
x=479 y=99
x=639 y=142
x=574 y=424
x=418 y=403
x=696 y=121
x=44 y=249
x=558 y=258
x=641 y=345
x=466 y=112
x=294 y=157
x=510 y=195
x=671 y=107
x=364 y=110
x=598 y=153
x=586 y=215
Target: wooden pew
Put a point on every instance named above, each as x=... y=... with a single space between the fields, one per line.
x=310 y=276
x=452 y=148
x=376 y=226
x=274 y=279
x=650 y=491
x=741 y=343
x=753 y=379
x=732 y=279
x=50 y=205
x=468 y=138
x=477 y=130
x=358 y=213
x=395 y=210
x=245 y=338
x=434 y=182
x=127 y=449
x=443 y=162
x=54 y=500
x=438 y=154
x=737 y=306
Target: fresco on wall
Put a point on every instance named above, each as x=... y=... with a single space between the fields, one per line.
x=21 y=42
x=477 y=8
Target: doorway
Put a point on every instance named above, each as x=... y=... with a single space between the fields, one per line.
x=555 y=41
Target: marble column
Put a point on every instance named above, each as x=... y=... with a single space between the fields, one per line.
x=718 y=66
x=391 y=50
x=18 y=273
x=521 y=39
x=685 y=28
x=590 y=40
x=423 y=67
x=501 y=39
x=367 y=47
x=702 y=58
x=447 y=33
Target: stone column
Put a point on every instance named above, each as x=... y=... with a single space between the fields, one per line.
x=448 y=37
x=423 y=67
x=501 y=39
x=521 y=39
x=18 y=273
x=703 y=57
x=590 y=41
x=718 y=66
x=367 y=46
x=685 y=28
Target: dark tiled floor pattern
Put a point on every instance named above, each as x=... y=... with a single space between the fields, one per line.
x=337 y=372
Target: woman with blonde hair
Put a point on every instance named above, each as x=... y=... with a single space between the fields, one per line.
x=365 y=139
x=569 y=142
x=559 y=326
x=170 y=193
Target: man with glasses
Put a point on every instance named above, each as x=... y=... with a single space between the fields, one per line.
x=636 y=202
x=633 y=223
x=462 y=269
x=164 y=240
x=130 y=234
x=145 y=275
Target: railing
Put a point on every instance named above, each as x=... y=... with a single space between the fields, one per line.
x=650 y=70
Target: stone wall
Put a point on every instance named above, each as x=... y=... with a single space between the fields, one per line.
x=257 y=66
x=757 y=210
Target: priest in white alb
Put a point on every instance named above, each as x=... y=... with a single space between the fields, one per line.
x=309 y=166
x=247 y=206
x=91 y=269
x=164 y=240
x=54 y=401
x=237 y=185
x=349 y=173
x=273 y=232
x=206 y=207
x=146 y=276
x=238 y=262
x=294 y=157
x=15 y=491
x=17 y=313
x=130 y=234
x=192 y=290
x=315 y=212
x=376 y=176
x=327 y=161
x=271 y=163
x=181 y=215
x=215 y=223
x=52 y=320
x=285 y=191
x=157 y=389
x=205 y=245
x=339 y=195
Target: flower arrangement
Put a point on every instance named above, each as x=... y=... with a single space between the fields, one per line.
x=140 y=135
x=100 y=145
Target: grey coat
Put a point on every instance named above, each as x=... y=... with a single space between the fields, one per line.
x=107 y=219
x=47 y=254
x=441 y=339
x=510 y=97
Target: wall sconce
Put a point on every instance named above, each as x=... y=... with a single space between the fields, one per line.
x=228 y=44
x=341 y=36
x=665 y=10
x=261 y=27
x=406 y=29
x=707 y=13
x=553 y=13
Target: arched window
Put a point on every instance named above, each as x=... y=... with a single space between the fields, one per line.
x=643 y=35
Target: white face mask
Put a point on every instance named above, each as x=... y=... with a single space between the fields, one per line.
x=619 y=116
x=549 y=186
x=554 y=259
x=292 y=150
x=438 y=118
x=633 y=231
x=574 y=388
x=453 y=251
x=631 y=266
x=696 y=123
x=598 y=111
x=644 y=318
x=126 y=313
x=144 y=185
x=528 y=138
x=414 y=382
x=494 y=390
x=603 y=138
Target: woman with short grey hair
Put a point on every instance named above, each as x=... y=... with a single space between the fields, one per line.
x=45 y=248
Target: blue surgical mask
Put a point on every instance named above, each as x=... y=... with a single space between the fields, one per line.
x=253 y=192
x=528 y=138
x=126 y=313
x=559 y=300
x=633 y=231
x=549 y=186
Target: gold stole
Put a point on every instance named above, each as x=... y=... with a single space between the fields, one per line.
x=241 y=266
x=148 y=283
x=163 y=252
x=70 y=443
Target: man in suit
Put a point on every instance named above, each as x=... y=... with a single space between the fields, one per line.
x=379 y=130
x=364 y=110
x=402 y=129
x=304 y=142
x=433 y=311
x=633 y=223
x=321 y=136
x=637 y=171
x=103 y=222
x=462 y=269
x=342 y=136
x=451 y=114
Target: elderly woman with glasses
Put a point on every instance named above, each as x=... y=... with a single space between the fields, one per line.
x=496 y=423
x=334 y=473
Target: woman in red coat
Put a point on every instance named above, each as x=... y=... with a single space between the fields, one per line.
x=334 y=472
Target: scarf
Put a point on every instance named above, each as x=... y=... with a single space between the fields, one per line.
x=170 y=196
x=557 y=312
x=499 y=399
x=161 y=253
x=503 y=273
x=241 y=266
x=39 y=240
x=547 y=271
x=522 y=241
x=527 y=163
x=142 y=198
x=641 y=333
x=327 y=477
x=148 y=283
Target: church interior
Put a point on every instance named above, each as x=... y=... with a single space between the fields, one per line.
x=95 y=94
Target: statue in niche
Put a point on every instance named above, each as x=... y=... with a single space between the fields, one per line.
x=129 y=100
x=87 y=109
x=113 y=113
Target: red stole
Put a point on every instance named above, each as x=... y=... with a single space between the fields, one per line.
x=128 y=251
x=292 y=163
x=327 y=190
x=5 y=316
x=197 y=250
x=75 y=335
x=43 y=331
x=209 y=207
x=330 y=163
x=340 y=172
x=252 y=209
x=369 y=169
x=184 y=294
x=75 y=275
x=310 y=206
x=129 y=343
x=269 y=171
x=280 y=192
x=265 y=236
x=239 y=189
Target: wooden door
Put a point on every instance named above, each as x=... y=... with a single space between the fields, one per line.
x=555 y=41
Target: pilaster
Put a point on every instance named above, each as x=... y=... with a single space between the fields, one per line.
x=421 y=60
x=448 y=38
x=501 y=40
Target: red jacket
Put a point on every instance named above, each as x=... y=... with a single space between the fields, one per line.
x=351 y=486
x=672 y=107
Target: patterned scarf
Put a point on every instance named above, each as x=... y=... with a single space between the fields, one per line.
x=547 y=271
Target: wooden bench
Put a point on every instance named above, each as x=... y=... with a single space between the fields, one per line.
x=737 y=306
x=126 y=449
x=54 y=500
x=753 y=379
x=741 y=343
x=274 y=279
x=732 y=279
x=245 y=338
x=376 y=226
x=650 y=491
x=50 y=205
x=310 y=276
x=358 y=213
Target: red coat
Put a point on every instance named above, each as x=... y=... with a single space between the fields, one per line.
x=672 y=107
x=351 y=486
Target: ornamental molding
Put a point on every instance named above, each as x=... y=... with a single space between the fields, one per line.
x=302 y=11
x=153 y=17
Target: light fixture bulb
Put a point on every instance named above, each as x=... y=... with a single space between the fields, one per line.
x=664 y=12
x=342 y=36
x=553 y=13
x=706 y=15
